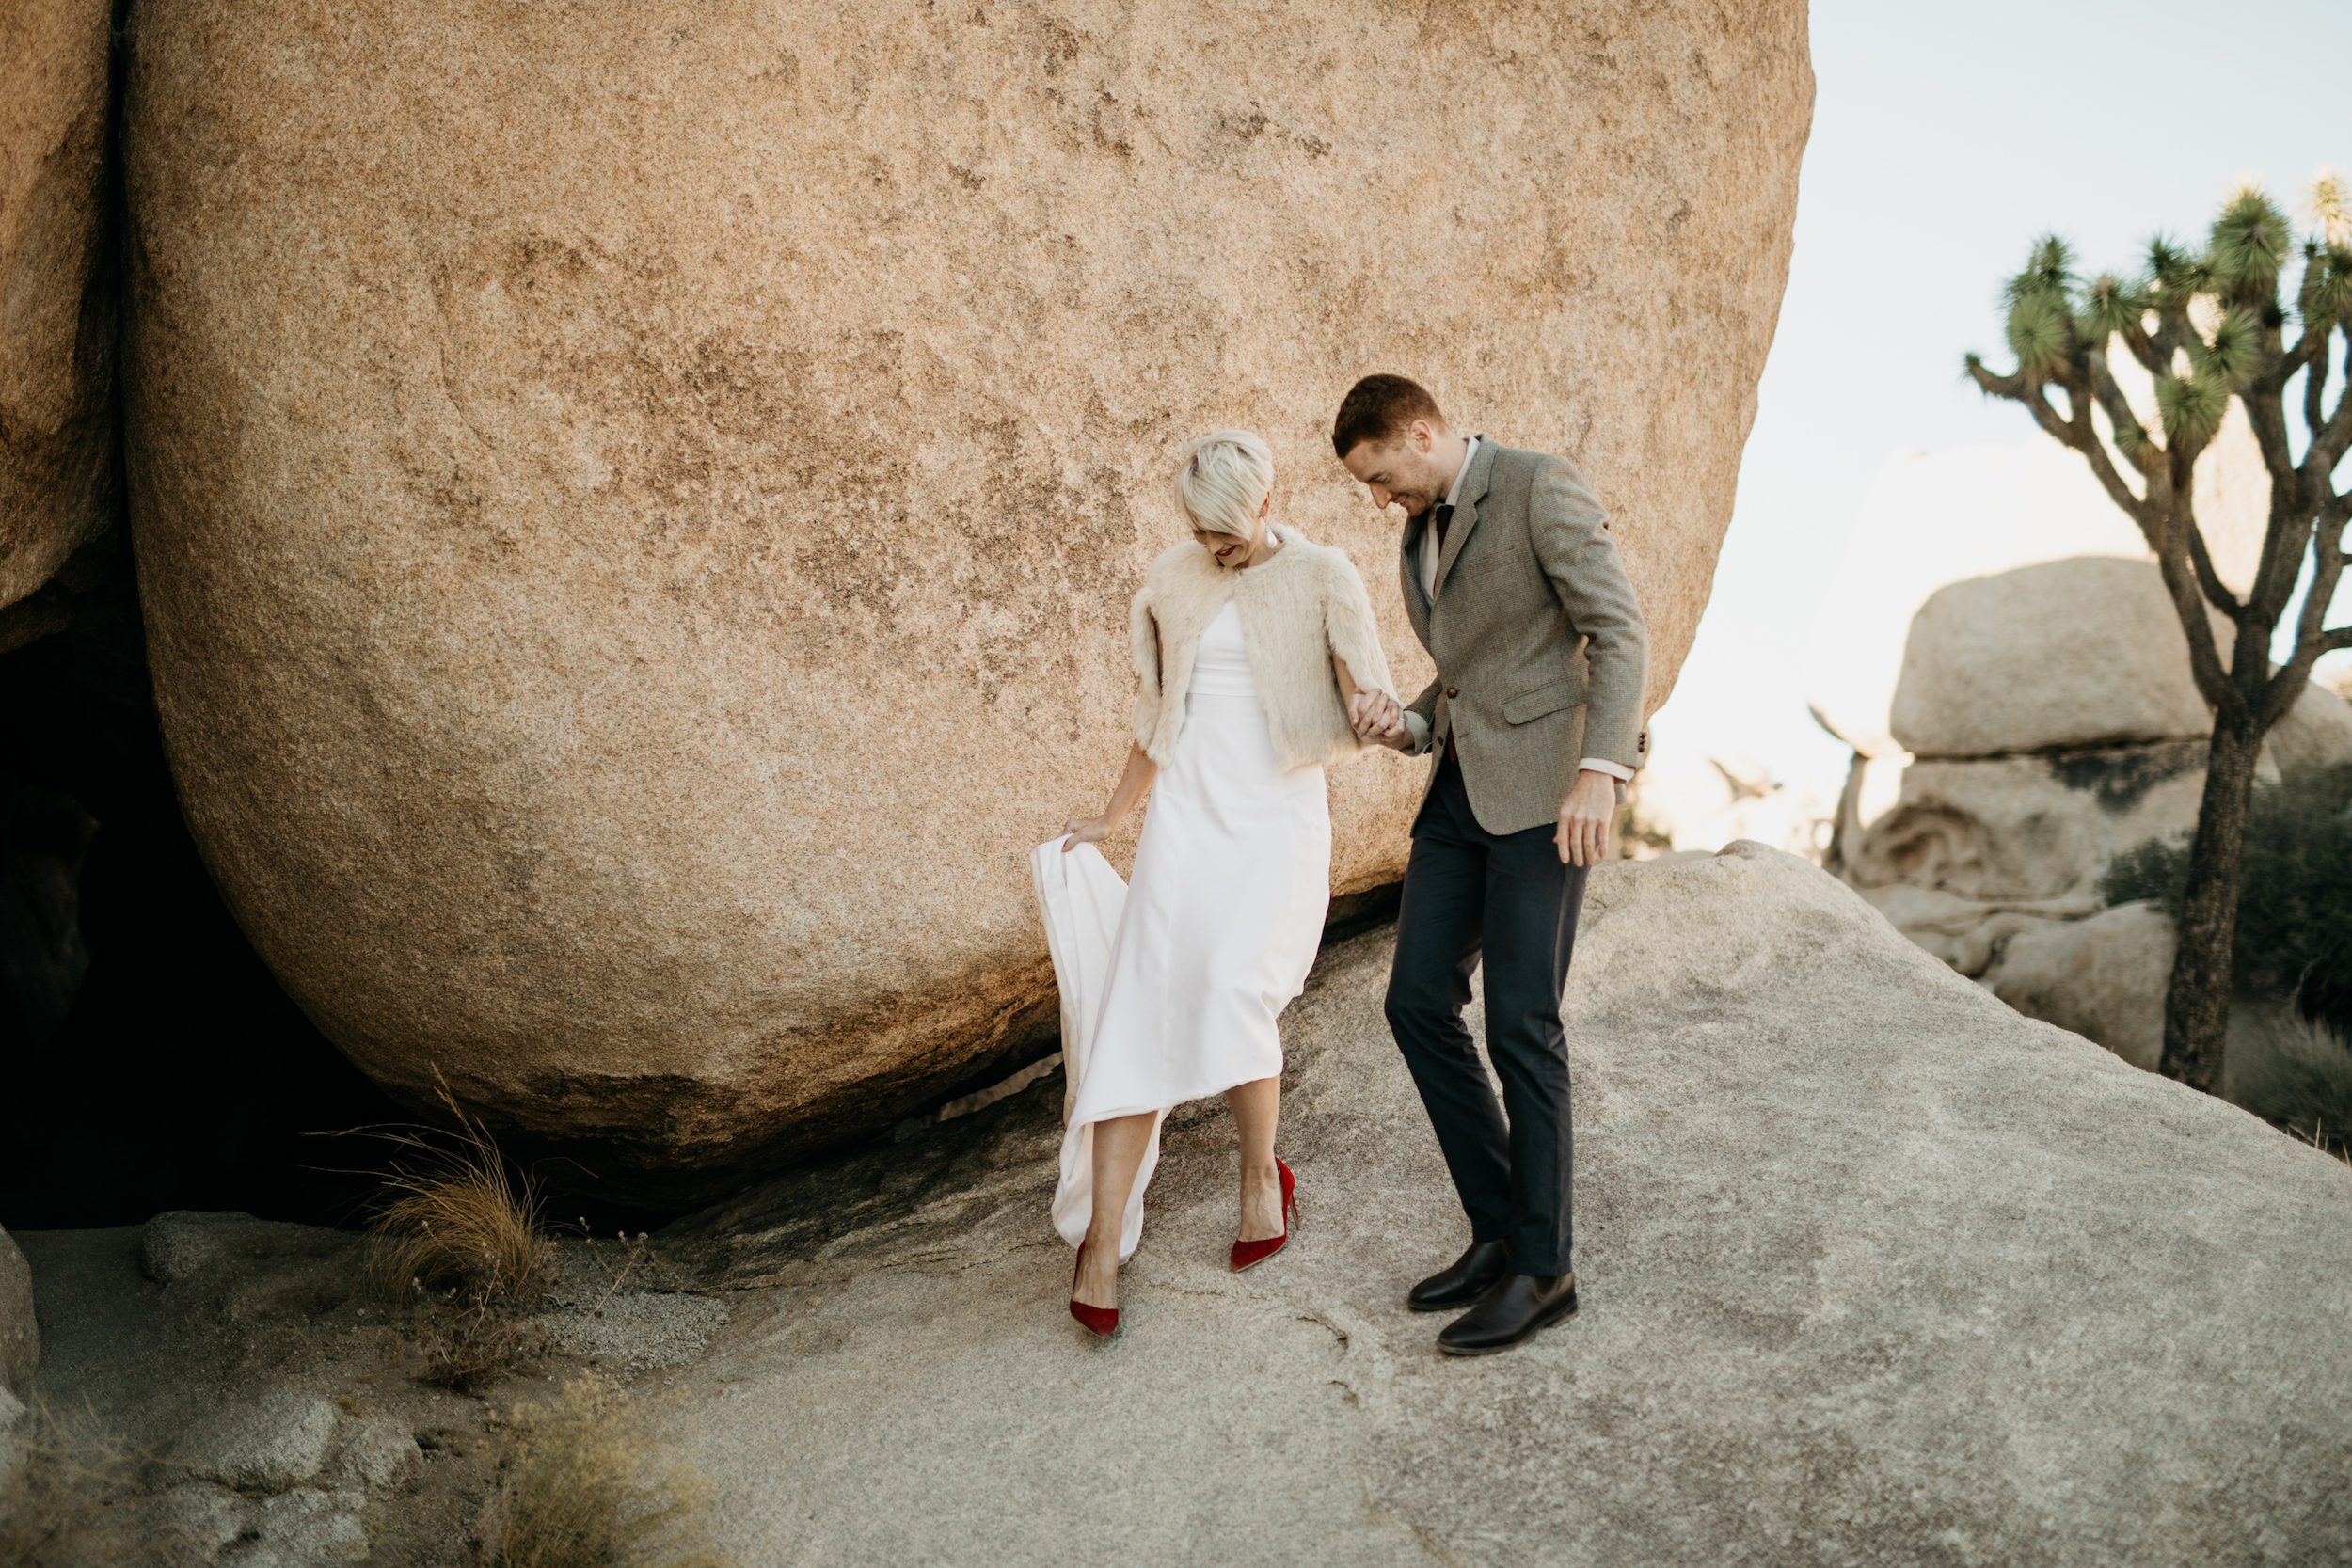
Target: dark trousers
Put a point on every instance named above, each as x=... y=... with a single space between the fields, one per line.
x=1508 y=900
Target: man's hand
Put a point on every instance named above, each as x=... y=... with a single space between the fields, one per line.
x=1588 y=819
x=1378 y=721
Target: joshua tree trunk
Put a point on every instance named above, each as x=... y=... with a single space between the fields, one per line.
x=2197 y=1004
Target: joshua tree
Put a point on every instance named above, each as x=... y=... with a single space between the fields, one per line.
x=2210 y=326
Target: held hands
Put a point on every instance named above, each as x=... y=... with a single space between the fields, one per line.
x=1588 y=819
x=1378 y=720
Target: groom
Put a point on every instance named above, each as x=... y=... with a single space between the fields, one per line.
x=1513 y=584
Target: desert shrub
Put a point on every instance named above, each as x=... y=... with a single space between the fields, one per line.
x=460 y=1242
x=582 y=1482
x=2292 y=1070
x=63 y=1497
x=2294 y=915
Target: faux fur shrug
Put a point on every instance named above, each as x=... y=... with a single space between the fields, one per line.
x=1297 y=610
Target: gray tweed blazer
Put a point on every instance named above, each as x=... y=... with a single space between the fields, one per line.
x=1540 y=647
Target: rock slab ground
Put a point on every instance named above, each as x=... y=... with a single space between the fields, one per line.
x=1874 y=1271
x=605 y=488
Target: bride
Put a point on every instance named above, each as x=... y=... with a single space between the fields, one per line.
x=1258 y=655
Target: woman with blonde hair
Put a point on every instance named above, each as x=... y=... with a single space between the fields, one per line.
x=1257 y=654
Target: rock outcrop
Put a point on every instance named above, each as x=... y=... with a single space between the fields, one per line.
x=2103 y=977
x=60 y=484
x=2055 y=726
x=2006 y=829
x=1874 y=1271
x=636 y=519
x=19 y=1331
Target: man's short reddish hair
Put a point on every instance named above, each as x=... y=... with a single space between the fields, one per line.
x=1380 y=409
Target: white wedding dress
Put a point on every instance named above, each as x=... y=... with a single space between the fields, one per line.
x=1170 y=992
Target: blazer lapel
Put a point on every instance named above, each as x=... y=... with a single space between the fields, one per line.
x=1474 y=485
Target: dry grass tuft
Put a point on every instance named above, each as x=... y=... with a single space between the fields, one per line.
x=463 y=1218
x=584 y=1483
x=62 y=1496
x=2292 y=1070
x=461 y=1241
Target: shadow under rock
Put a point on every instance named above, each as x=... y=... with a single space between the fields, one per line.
x=943 y=1184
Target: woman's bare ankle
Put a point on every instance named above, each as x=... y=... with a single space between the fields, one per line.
x=1098 y=1274
x=1261 y=1206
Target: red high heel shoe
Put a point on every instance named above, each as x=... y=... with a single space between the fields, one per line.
x=1096 y=1319
x=1248 y=1255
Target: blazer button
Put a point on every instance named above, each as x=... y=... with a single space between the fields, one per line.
x=1453 y=691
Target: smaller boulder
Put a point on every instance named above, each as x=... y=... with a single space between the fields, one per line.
x=381 y=1454
x=274 y=1440
x=179 y=1242
x=2314 y=735
x=263 y=1268
x=2079 y=652
x=19 y=1335
x=2104 y=977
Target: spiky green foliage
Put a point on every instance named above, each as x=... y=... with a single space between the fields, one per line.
x=2249 y=247
x=2049 y=272
x=2174 y=275
x=2326 y=296
x=2110 y=304
x=2131 y=438
x=2053 y=317
x=2232 y=355
x=2041 y=335
x=2191 y=408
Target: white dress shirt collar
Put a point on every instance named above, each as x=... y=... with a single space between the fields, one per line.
x=1429 y=546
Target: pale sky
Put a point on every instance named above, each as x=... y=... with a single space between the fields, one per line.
x=1945 y=138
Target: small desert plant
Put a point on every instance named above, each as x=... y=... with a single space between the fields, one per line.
x=583 y=1482
x=2294 y=1072
x=63 y=1497
x=460 y=1241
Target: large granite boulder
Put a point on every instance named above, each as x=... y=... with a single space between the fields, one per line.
x=636 y=518
x=59 y=488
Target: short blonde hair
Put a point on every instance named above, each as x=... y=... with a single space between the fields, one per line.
x=1224 y=478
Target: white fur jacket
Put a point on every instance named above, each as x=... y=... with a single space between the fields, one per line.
x=1297 y=611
